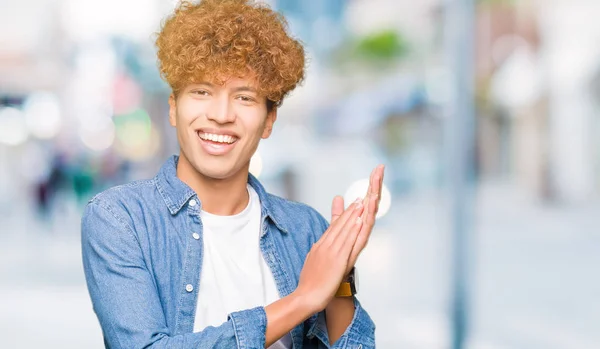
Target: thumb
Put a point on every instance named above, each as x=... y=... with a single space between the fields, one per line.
x=337 y=208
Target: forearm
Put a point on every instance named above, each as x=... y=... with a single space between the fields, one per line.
x=339 y=314
x=285 y=314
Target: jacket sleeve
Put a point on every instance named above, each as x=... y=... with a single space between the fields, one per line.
x=360 y=334
x=126 y=301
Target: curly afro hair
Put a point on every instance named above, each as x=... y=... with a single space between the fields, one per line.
x=214 y=40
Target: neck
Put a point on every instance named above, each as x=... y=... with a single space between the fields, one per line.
x=223 y=197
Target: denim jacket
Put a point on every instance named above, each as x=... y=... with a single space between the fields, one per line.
x=142 y=257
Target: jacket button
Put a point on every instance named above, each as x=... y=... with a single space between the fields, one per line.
x=189 y=287
x=193 y=202
x=196 y=236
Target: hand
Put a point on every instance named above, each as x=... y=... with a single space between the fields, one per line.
x=371 y=204
x=327 y=261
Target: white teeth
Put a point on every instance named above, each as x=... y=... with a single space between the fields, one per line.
x=217 y=138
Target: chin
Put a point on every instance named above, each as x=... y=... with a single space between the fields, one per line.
x=215 y=169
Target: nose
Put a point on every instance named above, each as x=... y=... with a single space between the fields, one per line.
x=220 y=111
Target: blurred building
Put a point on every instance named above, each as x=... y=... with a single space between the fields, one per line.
x=82 y=108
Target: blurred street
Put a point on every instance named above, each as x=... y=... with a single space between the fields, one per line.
x=501 y=96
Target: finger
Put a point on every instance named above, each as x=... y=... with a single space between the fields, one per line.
x=347 y=234
x=370 y=201
x=362 y=238
x=359 y=245
x=373 y=199
x=375 y=193
x=335 y=227
x=337 y=208
x=373 y=182
x=380 y=174
x=353 y=228
x=369 y=189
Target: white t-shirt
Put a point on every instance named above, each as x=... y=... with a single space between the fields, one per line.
x=234 y=273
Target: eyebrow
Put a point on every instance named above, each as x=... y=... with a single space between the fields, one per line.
x=235 y=89
x=244 y=89
x=205 y=83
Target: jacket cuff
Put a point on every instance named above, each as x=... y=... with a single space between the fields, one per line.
x=359 y=334
x=250 y=327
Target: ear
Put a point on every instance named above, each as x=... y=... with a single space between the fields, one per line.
x=271 y=118
x=172 y=110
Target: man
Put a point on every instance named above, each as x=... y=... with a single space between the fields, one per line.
x=201 y=256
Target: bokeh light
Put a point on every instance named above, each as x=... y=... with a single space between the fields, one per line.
x=43 y=115
x=13 y=130
x=256 y=165
x=100 y=138
x=359 y=189
x=136 y=138
x=86 y=19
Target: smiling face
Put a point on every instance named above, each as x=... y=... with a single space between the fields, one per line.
x=219 y=126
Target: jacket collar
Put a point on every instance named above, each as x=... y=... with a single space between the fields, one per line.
x=176 y=194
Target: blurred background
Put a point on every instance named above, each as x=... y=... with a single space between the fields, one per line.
x=82 y=108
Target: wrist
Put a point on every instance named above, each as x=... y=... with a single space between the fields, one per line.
x=339 y=314
x=304 y=303
x=349 y=286
x=340 y=302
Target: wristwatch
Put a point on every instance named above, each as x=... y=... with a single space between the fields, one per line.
x=348 y=287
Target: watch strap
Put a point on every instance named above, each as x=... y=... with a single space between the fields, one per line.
x=345 y=290
x=347 y=287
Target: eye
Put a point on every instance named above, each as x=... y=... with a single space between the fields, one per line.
x=200 y=92
x=246 y=99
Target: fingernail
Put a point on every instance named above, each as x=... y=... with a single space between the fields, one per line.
x=358 y=220
x=358 y=205
x=357 y=200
